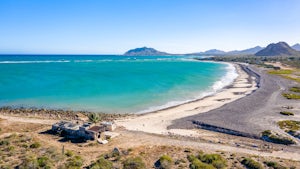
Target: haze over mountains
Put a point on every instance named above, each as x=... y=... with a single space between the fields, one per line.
x=278 y=49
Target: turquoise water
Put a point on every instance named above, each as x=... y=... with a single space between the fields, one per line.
x=113 y=84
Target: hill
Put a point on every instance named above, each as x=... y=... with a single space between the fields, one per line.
x=216 y=52
x=296 y=47
x=144 y=51
x=278 y=49
x=250 y=51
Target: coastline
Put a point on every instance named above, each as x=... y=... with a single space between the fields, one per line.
x=157 y=122
x=215 y=89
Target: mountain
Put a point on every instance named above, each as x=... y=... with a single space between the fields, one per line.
x=144 y=51
x=296 y=47
x=278 y=49
x=250 y=51
x=214 y=52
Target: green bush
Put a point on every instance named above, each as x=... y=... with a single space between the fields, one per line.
x=35 y=145
x=266 y=133
x=165 y=162
x=197 y=164
x=10 y=148
x=102 y=164
x=280 y=72
x=274 y=165
x=295 y=89
x=215 y=159
x=281 y=140
x=29 y=162
x=291 y=96
x=69 y=153
x=289 y=125
x=134 y=163
x=286 y=113
x=74 y=163
x=268 y=136
x=4 y=143
x=94 y=117
x=44 y=162
x=251 y=164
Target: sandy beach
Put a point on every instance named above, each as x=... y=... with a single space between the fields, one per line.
x=157 y=122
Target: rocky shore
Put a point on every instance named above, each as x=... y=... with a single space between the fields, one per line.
x=54 y=114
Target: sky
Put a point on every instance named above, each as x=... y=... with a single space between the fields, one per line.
x=115 y=26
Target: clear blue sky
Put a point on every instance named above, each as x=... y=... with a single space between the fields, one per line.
x=114 y=26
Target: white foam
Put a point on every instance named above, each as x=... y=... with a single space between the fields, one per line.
x=226 y=80
x=35 y=61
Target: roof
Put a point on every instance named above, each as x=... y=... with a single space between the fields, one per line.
x=95 y=128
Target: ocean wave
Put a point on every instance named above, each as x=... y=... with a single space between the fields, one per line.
x=226 y=80
x=35 y=61
x=133 y=59
x=173 y=103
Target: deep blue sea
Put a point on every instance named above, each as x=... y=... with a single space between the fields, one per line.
x=112 y=84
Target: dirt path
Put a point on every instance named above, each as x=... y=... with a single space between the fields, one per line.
x=28 y=120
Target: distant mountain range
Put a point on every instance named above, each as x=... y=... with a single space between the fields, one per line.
x=249 y=51
x=278 y=49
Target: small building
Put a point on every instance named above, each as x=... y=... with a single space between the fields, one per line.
x=109 y=126
x=86 y=131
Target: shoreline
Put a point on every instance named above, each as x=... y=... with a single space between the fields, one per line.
x=209 y=94
x=157 y=122
x=197 y=99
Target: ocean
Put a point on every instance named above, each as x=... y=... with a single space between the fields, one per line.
x=110 y=84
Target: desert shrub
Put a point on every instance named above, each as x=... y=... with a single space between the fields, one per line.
x=289 y=125
x=134 y=163
x=10 y=148
x=280 y=72
x=44 y=162
x=286 y=113
x=268 y=136
x=69 y=153
x=165 y=162
x=28 y=162
x=266 y=133
x=197 y=164
x=74 y=163
x=35 y=145
x=102 y=164
x=251 y=164
x=295 y=89
x=179 y=161
x=281 y=140
x=274 y=165
x=215 y=159
x=291 y=96
x=4 y=143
